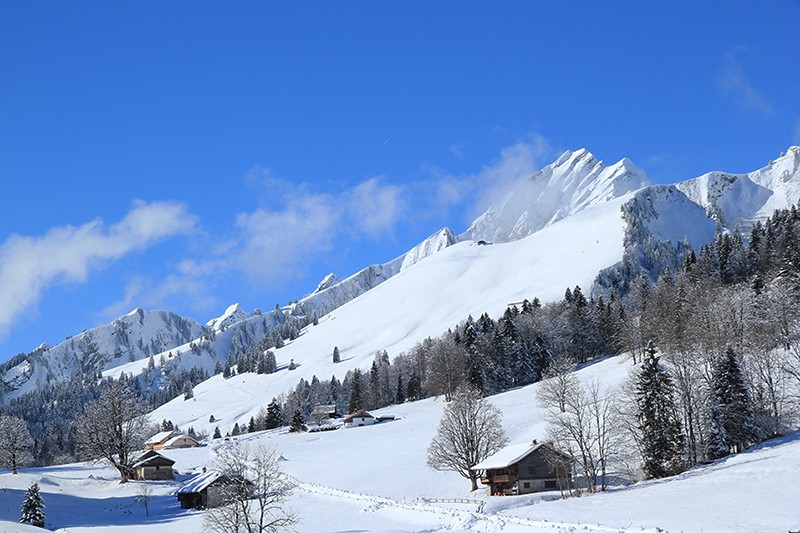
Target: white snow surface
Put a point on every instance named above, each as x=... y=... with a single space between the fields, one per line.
x=374 y=478
x=574 y=182
x=422 y=301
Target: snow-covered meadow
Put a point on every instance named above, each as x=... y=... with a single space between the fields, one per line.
x=375 y=478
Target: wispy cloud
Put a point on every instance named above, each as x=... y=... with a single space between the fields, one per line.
x=67 y=254
x=734 y=83
x=493 y=181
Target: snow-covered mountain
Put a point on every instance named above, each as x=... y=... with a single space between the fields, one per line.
x=560 y=227
x=738 y=200
x=574 y=182
x=137 y=335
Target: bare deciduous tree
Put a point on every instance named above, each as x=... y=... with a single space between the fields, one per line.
x=586 y=430
x=113 y=427
x=15 y=443
x=470 y=431
x=143 y=496
x=256 y=492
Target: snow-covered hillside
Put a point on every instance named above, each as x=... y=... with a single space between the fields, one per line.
x=135 y=336
x=375 y=479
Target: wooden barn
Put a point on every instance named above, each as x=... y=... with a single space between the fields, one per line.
x=209 y=489
x=152 y=466
x=526 y=468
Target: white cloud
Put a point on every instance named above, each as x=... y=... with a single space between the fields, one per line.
x=494 y=180
x=733 y=82
x=67 y=254
x=374 y=208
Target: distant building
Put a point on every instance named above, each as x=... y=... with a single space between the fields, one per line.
x=180 y=441
x=152 y=466
x=526 y=468
x=359 y=418
x=209 y=489
x=157 y=441
x=324 y=411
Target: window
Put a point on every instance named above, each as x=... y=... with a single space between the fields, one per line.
x=550 y=484
x=526 y=485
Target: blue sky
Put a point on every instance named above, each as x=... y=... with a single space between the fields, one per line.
x=188 y=155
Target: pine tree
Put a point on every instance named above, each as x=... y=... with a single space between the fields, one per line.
x=400 y=396
x=217 y=434
x=298 y=424
x=251 y=427
x=356 y=400
x=413 y=388
x=274 y=415
x=662 y=439
x=336 y=357
x=730 y=412
x=33 y=507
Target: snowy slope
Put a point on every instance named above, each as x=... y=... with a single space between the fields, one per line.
x=375 y=479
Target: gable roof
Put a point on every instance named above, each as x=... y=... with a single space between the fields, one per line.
x=513 y=454
x=200 y=482
x=158 y=438
x=358 y=414
x=176 y=438
x=151 y=458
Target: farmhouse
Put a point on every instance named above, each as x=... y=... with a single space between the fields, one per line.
x=322 y=412
x=157 y=441
x=359 y=418
x=152 y=466
x=180 y=441
x=209 y=489
x=526 y=468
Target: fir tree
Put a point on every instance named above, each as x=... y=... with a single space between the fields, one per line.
x=662 y=439
x=33 y=507
x=217 y=434
x=356 y=400
x=731 y=418
x=298 y=424
x=251 y=427
x=400 y=396
x=336 y=357
x=274 y=415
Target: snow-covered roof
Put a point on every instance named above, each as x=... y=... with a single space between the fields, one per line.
x=358 y=414
x=159 y=437
x=508 y=456
x=151 y=456
x=176 y=438
x=200 y=482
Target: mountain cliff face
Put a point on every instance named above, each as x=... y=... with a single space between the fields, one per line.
x=575 y=181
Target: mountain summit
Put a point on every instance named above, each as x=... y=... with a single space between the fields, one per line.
x=575 y=181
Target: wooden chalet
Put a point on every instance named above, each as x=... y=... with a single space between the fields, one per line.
x=209 y=489
x=152 y=466
x=157 y=441
x=359 y=418
x=526 y=468
x=179 y=442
